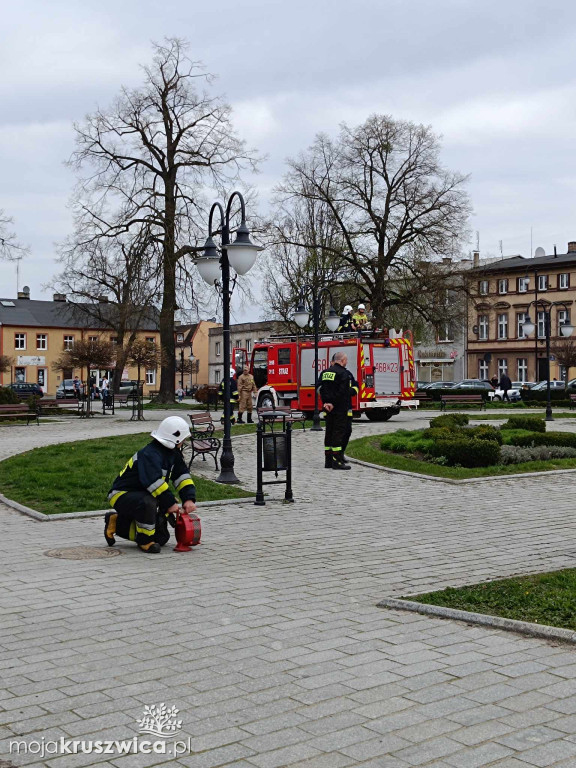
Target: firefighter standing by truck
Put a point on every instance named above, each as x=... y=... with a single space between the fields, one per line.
x=141 y=497
x=246 y=387
x=335 y=392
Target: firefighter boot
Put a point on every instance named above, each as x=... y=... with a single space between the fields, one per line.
x=151 y=549
x=110 y=527
x=249 y=418
x=327 y=459
x=240 y=421
x=337 y=463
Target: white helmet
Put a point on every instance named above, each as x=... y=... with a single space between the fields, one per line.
x=361 y=306
x=347 y=309
x=172 y=431
x=232 y=372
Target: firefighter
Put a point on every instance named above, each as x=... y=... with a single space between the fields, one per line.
x=360 y=318
x=246 y=386
x=346 y=324
x=233 y=390
x=335 y=394
x=140 y=495
x=354 y=389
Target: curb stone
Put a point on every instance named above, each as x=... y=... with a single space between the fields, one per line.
x=40 y=516
x=542 y=631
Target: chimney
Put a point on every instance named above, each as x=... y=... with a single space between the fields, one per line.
x=24 y=293
x=59 y=297
x=476 y=258
x=572 y=247
x=102 y=299
x=446 y=260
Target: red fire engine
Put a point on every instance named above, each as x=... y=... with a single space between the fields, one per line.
x=283 y=369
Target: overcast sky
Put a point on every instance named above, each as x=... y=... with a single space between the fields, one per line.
x=496 y=79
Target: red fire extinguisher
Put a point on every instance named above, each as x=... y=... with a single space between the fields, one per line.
x=188 y=531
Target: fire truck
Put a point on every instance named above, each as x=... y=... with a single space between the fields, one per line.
x=382 y=364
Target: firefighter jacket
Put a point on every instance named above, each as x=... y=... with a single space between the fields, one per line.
x=151 y=469
x=335 y=388
x=246 y=383
x=233 y=390
x=354 y=389
x=360 y=320
x=346 y=324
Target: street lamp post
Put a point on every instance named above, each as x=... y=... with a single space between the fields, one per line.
x=566 y=329
x=240 y=255
x=301 y=318
x=182 y=368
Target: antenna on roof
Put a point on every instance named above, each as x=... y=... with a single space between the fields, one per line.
x=17 y=260
x=539 y=252
x=477 y=240
x=531 y=249
x=501 y=252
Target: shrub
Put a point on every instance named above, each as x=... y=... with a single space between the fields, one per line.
x=450 y=420
x=467 y=453
x=546 y=438
x=513 y=454
x=439 y=433
x=484 y=432
x=531 y=423
x=8 y=396
x=405 y=441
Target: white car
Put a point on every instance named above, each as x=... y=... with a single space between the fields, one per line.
x=513 y=394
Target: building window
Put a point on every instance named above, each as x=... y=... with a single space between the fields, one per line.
x=284 y=356
x=94 y=339
x=180 y=338
x=113 y=340
x=19 y=341
x=248 y=345
x=541 y=325
x=218 y=349
x=482 y=327
x=503 y=326
x=564 y=281
x=68 y=342
x=445 y=333
x=482 y=369
x=520 y=320
x=542 y=282
x=151 y=339
x=217 y=376
x=523 y=284
x=150 y=376
x=41 y=341
x=522 y=369
x=19 y=375
x=483 y=287
x=503 y=286
x=502 y=367
x=563 y=319
x=238 y=344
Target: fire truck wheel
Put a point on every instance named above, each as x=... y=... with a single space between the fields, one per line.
x=379 y=414
x=265 y=401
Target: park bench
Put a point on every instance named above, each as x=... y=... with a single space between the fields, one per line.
x=10 y=411
x=572 y=401
x=47 y=404
x=425 y=398
x=154 y=395
x=471 y=399
x=122 y=399
x=202 y=441
x=288 y=414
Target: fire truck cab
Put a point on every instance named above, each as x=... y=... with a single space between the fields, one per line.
x=382 y=363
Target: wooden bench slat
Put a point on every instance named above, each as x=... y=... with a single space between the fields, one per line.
x=201 y=441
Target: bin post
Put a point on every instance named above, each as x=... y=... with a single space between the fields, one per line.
x=259 y=501
x=288 y=495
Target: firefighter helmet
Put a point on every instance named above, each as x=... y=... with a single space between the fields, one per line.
x=347 y=309
x=361 y=306
x=171 y=432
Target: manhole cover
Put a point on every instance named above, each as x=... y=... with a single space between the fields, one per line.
x=82 y=553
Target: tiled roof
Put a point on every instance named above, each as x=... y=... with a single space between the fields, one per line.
x=521 y=264
x=57 y=314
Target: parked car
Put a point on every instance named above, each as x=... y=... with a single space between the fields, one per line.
x=514 y=394
x=523 y=384
x=66 y=390
x=555 y=385
x=26 y=389
x=129 y=387
x=473 y=384
x=440 y=385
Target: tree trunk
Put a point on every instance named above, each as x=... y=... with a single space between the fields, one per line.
x=168 y=364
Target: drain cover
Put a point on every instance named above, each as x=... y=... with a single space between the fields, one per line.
x=82 y=553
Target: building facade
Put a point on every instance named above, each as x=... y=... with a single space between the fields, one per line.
x=192 y=353
x=242 y=336
x=35 y=333
x=503 y=294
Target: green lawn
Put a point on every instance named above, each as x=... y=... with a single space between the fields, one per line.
x=73 y=477
x=368 y=449
x=544 y=598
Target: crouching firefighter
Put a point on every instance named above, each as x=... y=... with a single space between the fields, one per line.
x=141 y=495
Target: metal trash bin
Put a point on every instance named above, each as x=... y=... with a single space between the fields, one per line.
x=274 y=451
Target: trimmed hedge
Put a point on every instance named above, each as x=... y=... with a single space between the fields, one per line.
x=531 y=423
x=467 y=453
x=484 y=432
x=547 y=438
x=450 y=420
x=8 y=396
x=540 y=395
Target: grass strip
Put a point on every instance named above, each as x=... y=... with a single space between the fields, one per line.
x=542 y=598
x=73 y=477
x=368 y=449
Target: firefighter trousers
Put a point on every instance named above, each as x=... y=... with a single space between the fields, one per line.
x=347 y=433
x=245 y=402
x=137 y=519
x=336 y=426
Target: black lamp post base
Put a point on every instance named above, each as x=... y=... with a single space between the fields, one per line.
x=228 y=477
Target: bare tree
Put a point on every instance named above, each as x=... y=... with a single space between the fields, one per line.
x=149 y=157
x=113 y=287
x=394 y=206
x=565 y=353
x=86 y=354
x=10 y=248
x=5 y=363
x=144 y=354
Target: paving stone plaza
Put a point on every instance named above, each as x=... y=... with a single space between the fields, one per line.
x=267 y=638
